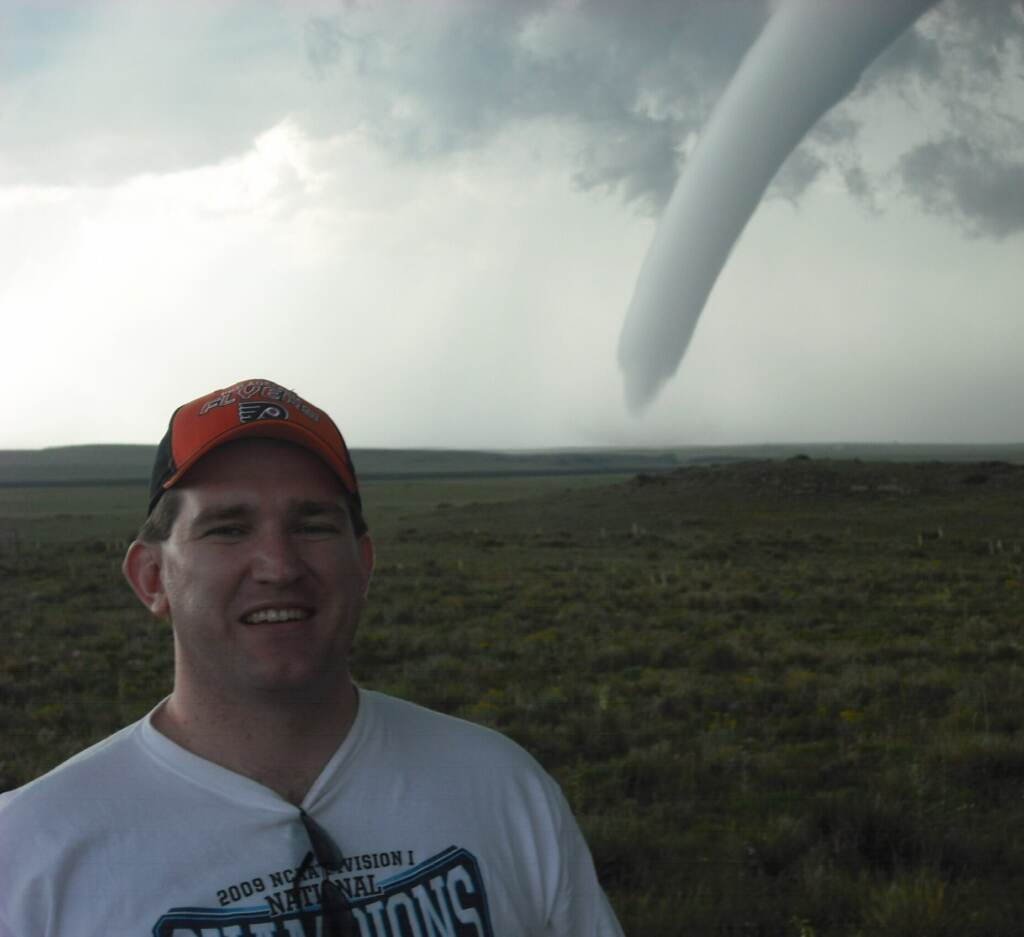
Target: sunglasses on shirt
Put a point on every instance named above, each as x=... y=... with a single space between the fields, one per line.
x=338 y=920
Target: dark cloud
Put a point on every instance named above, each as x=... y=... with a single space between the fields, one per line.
x=641 y=163
x=859 y=185
x=121 y=89
x=981 y=190
x=990 y=32
x=971 y=170
x=636 y=81
x=633 y=81
x=797 y=174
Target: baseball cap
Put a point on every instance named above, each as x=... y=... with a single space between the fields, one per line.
x=250 y=409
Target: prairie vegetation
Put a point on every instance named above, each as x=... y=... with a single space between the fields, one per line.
x=783 y=698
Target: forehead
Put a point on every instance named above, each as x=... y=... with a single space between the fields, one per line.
x=260 y=470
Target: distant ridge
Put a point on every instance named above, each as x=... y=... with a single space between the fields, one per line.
x=131 y=464
x=70 y=465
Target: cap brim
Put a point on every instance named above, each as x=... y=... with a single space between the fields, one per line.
x=271 y=429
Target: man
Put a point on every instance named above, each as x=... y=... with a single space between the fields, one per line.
x=268 y=795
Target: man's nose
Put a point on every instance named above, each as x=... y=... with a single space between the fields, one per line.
x=276 y=558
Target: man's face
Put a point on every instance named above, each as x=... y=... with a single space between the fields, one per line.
x=262 y=576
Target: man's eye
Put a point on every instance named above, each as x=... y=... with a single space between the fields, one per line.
x=227 y=530
x=318 y=528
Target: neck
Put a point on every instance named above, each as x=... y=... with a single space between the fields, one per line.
x=281 y=741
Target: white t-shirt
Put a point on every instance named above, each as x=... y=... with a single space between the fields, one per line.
x=448 y=829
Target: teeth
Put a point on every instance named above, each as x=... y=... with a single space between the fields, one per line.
x=275 y=615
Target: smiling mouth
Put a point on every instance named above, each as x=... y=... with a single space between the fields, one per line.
x=275 y=615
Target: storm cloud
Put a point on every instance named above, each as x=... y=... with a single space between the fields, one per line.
x=632 y=85
x=99 y=93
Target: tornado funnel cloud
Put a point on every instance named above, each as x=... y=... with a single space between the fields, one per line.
x=809 y=56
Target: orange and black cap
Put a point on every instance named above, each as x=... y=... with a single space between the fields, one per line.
x=247 y=410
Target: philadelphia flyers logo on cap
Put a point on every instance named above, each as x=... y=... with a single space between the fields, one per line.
x=250 y=412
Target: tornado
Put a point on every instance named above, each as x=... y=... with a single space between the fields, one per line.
x=808 y=57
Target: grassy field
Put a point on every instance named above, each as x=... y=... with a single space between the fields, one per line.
x=783 y=697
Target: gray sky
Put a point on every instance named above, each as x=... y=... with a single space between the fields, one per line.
x=429 y=217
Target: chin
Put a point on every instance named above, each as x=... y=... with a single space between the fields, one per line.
x=302 y=685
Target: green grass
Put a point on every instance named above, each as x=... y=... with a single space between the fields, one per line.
x=784 y=698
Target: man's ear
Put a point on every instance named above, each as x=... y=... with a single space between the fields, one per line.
x=142 y=569
x=366 y=559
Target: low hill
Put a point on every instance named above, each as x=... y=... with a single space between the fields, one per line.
x=63 y=465
x=126 y=464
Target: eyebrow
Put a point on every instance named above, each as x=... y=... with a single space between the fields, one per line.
x=309 y=508
x=237 y=512
x=230 y=512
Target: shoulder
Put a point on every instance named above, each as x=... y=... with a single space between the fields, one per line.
x=452 y=760
x=64 y=788
x=48 y=828
x=412 y=721
x=410 y=727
